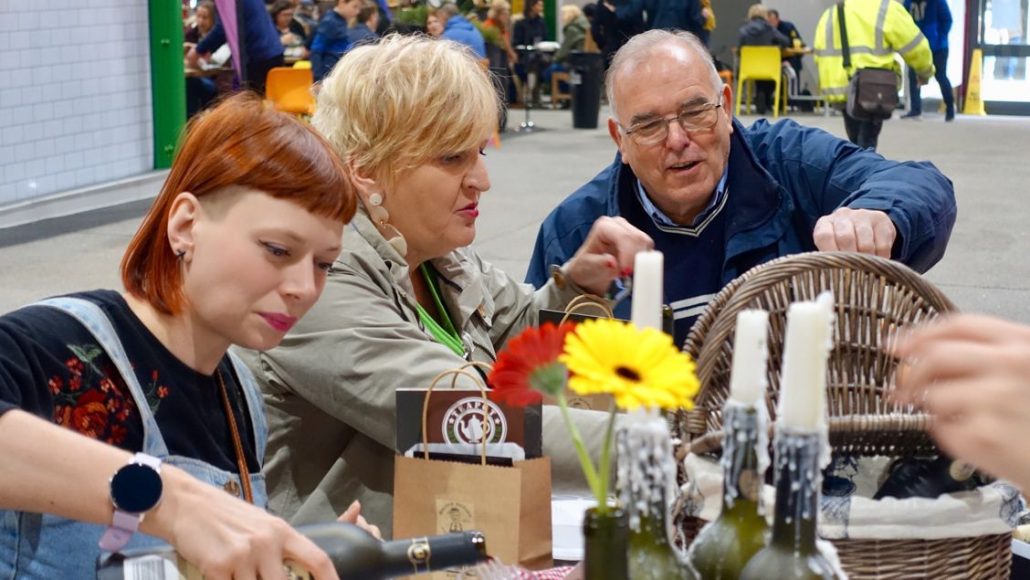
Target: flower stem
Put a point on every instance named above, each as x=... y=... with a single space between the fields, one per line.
x=596 y=485
x=606 y=452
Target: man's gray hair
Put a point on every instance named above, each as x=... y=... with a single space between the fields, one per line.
x=642 y=46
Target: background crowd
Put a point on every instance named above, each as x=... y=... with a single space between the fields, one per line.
x=510 y=44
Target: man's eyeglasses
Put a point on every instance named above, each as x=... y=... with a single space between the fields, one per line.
x=656 y=131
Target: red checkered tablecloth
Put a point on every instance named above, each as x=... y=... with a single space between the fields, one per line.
x=549 y=574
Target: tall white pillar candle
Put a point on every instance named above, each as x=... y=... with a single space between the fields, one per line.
x=647 y=290
x=826 y=300
x=806 y=347
x=748 y=382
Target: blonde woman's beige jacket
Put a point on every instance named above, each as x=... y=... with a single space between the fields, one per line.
x=329 y=387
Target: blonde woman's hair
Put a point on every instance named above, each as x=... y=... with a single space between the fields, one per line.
x=497 y=7
x=393 y=106
x=569 y=12
x=756 y=11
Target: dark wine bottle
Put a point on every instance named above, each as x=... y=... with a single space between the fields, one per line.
x=792 y=552
x=355 y=554
x=725 y=546
x=920 y=477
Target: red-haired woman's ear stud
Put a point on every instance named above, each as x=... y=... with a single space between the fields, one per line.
x=180 y=254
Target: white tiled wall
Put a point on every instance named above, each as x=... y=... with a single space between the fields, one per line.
x=74 y=95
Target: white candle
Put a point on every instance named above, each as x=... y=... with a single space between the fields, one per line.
x=825 y=299
x=747 y=383
x=806 y=347
x=647 y=290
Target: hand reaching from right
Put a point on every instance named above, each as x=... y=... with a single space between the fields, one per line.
x=972 y=373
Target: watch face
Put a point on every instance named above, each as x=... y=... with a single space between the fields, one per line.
x=136 y=488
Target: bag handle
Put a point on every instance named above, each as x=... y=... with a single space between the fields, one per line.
x=425 y=403
x=586 y=302
x=845 y=48
x=483 y=367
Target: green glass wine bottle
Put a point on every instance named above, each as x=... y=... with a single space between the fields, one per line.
x=725 y=546
x=792 y=552
x=647 y=486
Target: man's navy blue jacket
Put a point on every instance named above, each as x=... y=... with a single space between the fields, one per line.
x=782 y=178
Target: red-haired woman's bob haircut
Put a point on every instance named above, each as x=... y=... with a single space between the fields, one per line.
x=241 y=142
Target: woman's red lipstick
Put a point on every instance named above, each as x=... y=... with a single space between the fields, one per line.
x=280 y=322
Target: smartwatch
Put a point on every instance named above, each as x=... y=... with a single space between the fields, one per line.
x=135 y=489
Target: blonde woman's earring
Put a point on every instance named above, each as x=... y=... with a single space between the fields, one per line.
x=381 y=217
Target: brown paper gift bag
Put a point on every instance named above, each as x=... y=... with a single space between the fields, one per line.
x=510 y=505
x=576 y=312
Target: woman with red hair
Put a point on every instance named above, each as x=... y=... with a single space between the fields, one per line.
x=124 y=411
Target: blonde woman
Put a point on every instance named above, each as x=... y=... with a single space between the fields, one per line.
x=574 y=33
x=407 y=299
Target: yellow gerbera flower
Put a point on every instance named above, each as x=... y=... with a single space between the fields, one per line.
x=639 y=367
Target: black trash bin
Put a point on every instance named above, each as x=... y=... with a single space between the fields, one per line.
x=586 y=72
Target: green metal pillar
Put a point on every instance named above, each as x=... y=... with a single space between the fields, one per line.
x=551 y=18
x=168 y=93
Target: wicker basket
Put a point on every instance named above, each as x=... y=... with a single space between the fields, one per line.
x=874 y=298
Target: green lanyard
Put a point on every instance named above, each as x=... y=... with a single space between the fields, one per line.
x=446 y=336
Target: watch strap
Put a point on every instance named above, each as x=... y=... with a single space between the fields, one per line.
x=148 y=460
x=124 y=524
x=118 y=534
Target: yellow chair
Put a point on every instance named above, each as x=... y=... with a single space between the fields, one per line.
x=302 y=64
x=759 y=63
x=290 y=90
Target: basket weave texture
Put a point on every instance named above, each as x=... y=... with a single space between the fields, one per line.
x=874 y=298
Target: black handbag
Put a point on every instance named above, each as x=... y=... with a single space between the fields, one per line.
x=872 y=92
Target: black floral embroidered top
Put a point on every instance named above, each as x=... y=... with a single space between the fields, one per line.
x=51 y=366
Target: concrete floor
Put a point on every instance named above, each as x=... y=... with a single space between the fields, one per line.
x=986 y=269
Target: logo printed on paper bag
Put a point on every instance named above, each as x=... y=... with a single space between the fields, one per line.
x=454 y=516
x=473 y=420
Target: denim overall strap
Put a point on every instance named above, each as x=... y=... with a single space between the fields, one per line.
x=93 y=319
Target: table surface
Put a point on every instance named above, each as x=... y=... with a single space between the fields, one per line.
x=193 y=72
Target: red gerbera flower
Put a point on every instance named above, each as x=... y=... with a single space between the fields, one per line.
x=528 y=367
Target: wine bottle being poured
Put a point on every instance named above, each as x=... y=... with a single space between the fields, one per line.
x=354 y=553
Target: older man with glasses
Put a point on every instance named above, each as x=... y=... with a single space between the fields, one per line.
x=718 y=198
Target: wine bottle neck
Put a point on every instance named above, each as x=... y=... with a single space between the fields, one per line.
x=797 y=479
x=743 y=440
x=422 y=554
x=646 y=475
